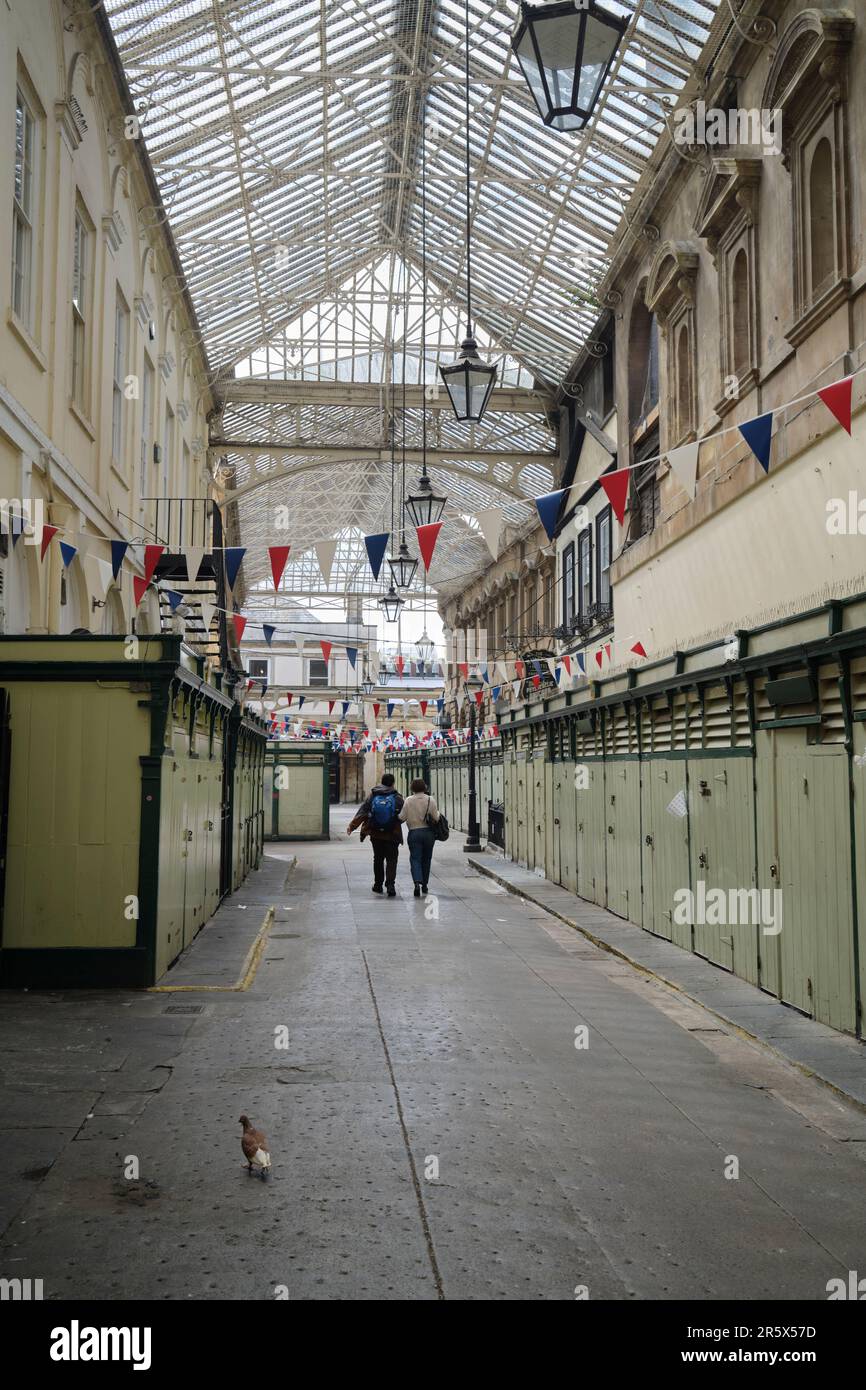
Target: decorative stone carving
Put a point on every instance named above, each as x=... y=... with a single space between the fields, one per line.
x=670 y=295
x=727 y=218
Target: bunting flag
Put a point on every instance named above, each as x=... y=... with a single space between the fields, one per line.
x=279 y=555
x=837 y=398
x=152 y=555
x=427 y=537
x=758 y=435
x=552 y=666
x=638 y=648
x=376 y=547
x=345 y=704
x=207 y=612
x=607 y=650
x=118 y=550
x=240 y=623
x=580 y=658
x=496 y=692
x=175 y=599
x=490 y=520
x=264 y=689
x=440 y=704
x=548 y=508
x=557 y=675
x=289 y=698
x=331 y=704
x=515 y=689
x=537 y=665
x=536 y=681
x=193 y=558
x=139 y=587
x=301 y=699
x=598 y=658
x=684 y=464
x=269 y=632
x=390 y=708
x=68 y=552
x=325 y=552
x=376 y=709
x=399 y=664
x=519 y=669
x=352 y=654
x=233 y=556
x=479 y=696
x=48 y=533
x=326 y=650
x=464 y=667
x=485 y=675
x=616 y=487
x=566 y=661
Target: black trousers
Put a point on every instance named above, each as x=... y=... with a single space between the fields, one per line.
x=385 y=861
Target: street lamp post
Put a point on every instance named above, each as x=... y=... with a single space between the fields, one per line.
x=473 y=844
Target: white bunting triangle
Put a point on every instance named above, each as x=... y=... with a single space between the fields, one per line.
x=207 y=612
x=684 y=462
x=552 y=665
x=515 y=689
x=325 y=552
x=193 y=557
x=490 y=520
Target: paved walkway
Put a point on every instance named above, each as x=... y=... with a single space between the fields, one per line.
x=435 y=1130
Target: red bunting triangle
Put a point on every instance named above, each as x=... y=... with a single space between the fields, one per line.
x=598 y=658
x=616 y=487
x=376 y=709
x=566 y=661
x=838 y=399
x=48 y=534
x=536 y=681
x=607 y=650
x=279 y=555
x=479 y=696
x=151 y=560
x=326 y=650
x=427 y=537
x=423 y=707
x=520 y=669
x=331 y=703
x=639 y=649
x=399 y=663
x=464 y=667
x=139 y=586
x=240 y=623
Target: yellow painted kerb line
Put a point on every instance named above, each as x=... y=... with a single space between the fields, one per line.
x=248 y=969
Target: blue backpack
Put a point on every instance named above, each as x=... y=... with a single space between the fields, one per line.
x=383 y=810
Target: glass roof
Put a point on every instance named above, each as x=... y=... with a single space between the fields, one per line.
x=285 y=136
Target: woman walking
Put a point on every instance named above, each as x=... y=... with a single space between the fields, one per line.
x=418 y=811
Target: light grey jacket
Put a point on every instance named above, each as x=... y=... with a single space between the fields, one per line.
x=416 y=808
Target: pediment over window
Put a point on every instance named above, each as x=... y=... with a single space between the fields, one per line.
x=672 y=277
x=730 y=191
x=812 y=51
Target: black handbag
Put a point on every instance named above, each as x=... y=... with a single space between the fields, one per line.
x=439 y=827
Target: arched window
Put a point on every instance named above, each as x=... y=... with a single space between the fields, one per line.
x=821 y=217
x=643 y=348
x=684 y=381
x=740 y=335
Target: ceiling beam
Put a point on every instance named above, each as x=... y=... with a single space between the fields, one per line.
x=509 y=400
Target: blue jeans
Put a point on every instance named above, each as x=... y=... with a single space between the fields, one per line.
x=421 y=844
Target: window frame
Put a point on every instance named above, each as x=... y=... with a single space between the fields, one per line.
x=569 y=585
x=317 y=683
x=120 y=363
x=25 y=219
x=584 y=536
x=81 y=301
x=604 y=516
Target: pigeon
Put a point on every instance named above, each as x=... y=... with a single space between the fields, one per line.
x=255 y=1147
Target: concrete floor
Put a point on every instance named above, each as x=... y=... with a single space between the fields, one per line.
x=421 y=1037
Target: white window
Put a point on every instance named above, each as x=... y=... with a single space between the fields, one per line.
x=146 y=428
x=121 y=340
x=24 y=209
x=80 y=297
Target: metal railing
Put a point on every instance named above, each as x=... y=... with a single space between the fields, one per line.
x=181 y=522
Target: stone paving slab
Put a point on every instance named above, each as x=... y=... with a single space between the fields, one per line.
x=833 y=1058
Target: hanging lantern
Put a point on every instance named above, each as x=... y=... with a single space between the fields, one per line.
x=423 y=506
x=425 y=650
x=391 y=603
x=403 y=568
x=366 y=683
x=565 y=53
x=469 y=382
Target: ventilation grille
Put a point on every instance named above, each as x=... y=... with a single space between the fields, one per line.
x=830 y=701
x=717 y=717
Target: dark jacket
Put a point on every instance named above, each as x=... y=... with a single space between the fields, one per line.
x=363 y=817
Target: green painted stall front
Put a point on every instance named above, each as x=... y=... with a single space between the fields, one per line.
x=117 y=801
x=295 y=790
x=446 y=773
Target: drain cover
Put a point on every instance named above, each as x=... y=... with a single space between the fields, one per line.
x=184 y=1009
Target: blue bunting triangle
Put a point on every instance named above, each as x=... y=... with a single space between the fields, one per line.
x=118 y=550
x=175 y=599
x=497 y=690
x=758 y=435
x=390 y=708
x=537 y=665
x=440 y=704
x=352 y=654
x=301 y=699
x=581 y=662
x=548 y=510
x=68 y=552
x=269 y=632
x=233 y=556
x=376 y=547
x=345 y=708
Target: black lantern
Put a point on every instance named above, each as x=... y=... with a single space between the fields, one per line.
x=469 y=382
x=565 y=53
x=366 y=683
x=404 y=567
x=423 y=506
x=425 y=650
x=391 y=603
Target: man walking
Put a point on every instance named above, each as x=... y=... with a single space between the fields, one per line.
x=378 y=816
